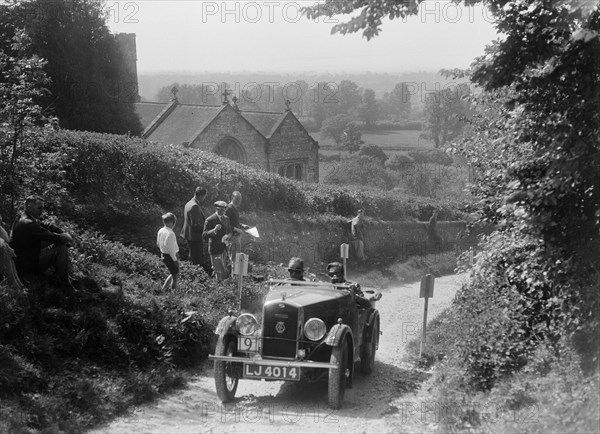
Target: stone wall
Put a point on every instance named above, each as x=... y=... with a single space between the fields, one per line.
x=318 y=243
x=291 y=143
x=230 y=124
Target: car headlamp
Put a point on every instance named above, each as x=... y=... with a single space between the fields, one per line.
x=315 y=329
x=246 y=324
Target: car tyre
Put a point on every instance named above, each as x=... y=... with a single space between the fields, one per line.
x=338 y=376
x=226 y=377
x=367 y=357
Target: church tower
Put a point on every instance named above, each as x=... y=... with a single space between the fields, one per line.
x=128 y=84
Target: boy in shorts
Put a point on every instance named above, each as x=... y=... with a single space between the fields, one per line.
x=167 y=243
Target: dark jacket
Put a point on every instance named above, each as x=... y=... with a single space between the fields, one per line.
x=193 y=221
x=215 y=243
x=234 y=216
x=26 y=239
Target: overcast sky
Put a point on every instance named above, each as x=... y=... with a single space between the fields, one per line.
x=199 y=35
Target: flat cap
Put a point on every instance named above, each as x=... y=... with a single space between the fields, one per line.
x=220 y=204
x=296 y=264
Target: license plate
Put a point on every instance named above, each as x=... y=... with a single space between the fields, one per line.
x=248 y=344
x=272 y=372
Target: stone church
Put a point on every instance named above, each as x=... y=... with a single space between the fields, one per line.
x=275 y=142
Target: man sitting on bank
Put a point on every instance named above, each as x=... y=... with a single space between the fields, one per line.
x=39 y=245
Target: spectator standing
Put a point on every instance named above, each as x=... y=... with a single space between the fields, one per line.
x=233 y=213
x=167 y=243
x=357 y=234
x=434 y=236
x=193 y=226
x=39 y=245
x=217 y=230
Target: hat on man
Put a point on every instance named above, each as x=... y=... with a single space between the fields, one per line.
x=296 y=264
x=335 y=268
x=220 y=204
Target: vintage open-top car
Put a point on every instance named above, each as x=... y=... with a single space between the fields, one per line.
x=309 y=331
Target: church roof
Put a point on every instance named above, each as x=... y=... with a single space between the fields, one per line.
x=176 y=123
x=148 y=111
x=265 y=123
x=183 y=123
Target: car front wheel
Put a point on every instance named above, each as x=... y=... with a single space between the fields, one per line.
x=226 y=376
x=338 y=376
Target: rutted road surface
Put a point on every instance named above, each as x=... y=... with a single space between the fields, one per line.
x=377 y=403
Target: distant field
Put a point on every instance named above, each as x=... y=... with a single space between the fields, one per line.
x=395 y=141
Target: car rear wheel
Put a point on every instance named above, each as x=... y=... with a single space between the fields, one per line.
x=226 y=375
x=338 y=376
x=367 y=357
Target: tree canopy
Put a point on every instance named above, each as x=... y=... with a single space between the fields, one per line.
x=89 y=89
x=535 y=142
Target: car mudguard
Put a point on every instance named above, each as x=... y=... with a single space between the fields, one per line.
x=337 y=334
x=335 y=337
x=226 y=325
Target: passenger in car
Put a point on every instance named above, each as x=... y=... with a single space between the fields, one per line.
x=296 y=269
x=335 y=270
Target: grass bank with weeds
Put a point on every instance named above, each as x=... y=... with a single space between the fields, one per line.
x=554 y=390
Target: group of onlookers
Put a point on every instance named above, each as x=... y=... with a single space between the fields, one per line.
x=34 y=246
x=212 y=241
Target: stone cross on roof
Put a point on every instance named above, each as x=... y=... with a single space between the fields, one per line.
x=226 y=94
x=174 y=91
x=287 y=105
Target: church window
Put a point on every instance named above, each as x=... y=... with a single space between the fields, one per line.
x=232 y=149
x=291 y=171
x=299 y=172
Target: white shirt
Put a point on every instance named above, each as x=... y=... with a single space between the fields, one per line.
x=167 y=242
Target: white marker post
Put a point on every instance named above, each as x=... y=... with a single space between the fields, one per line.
x=344 y=248
x=426 y=291
x=241 y=269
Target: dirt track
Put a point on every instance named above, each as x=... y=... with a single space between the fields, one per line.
x=385 y=401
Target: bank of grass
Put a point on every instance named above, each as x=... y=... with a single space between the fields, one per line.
x=70 y=360
x=551 y=394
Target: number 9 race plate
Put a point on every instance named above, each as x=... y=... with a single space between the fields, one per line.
x=248 y=344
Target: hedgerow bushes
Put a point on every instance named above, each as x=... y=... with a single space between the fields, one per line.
x=121 y=185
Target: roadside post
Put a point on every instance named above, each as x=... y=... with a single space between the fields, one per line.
x=344 y=248
x=241 y=269
x=427 y=282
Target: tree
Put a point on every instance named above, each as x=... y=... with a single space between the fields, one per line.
x=399 y=98
x=87 y=68
x=369 y=108
x=542 y=152
x=335 y=126
x=331 y=99
x=22 y=86
x=445 y=111
x=360 y=170
x=352 y=139
x=375 y=152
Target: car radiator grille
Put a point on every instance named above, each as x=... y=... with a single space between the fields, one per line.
x=280 y=331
